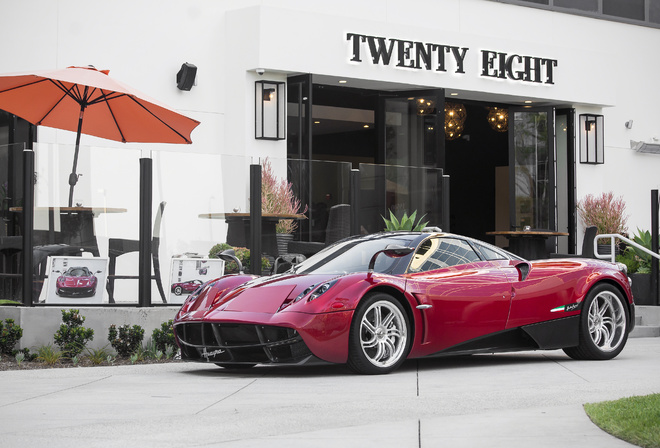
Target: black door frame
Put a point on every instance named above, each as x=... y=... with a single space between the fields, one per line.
x=550 y=111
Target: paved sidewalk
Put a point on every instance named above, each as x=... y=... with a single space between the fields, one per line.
x=507 y=400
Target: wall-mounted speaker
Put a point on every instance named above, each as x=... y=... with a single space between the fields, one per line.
x=185 y=79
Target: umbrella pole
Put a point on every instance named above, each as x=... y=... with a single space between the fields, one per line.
x=73 y=177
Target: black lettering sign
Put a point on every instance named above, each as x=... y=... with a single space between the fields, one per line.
x=442 y=58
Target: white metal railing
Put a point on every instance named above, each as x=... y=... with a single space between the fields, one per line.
x=612 y=254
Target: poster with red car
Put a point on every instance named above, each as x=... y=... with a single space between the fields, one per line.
x=189 y=273
x=76 y=280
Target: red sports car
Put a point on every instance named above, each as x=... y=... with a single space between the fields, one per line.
x=186 y=287
x=373 y=301
x=76 y=282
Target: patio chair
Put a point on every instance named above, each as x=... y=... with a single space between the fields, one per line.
x=587 y=245
x=338 y=228
x=10 y=262
x=118 y=247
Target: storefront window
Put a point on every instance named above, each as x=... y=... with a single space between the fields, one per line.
x=532 y=171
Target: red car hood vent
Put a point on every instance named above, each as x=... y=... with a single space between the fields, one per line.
x=76 y=281
x=264 y=299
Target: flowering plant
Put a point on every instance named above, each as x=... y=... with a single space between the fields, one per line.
x=606 y=212
x=277 y=197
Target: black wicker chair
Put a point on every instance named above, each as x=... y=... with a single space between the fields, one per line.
x=587 y=245
x=118 y=247
x=339 y=227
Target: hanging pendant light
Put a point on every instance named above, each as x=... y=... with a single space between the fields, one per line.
x=498 y=119
x=455 y=115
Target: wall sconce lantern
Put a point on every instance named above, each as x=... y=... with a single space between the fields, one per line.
x=592 y=147
x=269 y=117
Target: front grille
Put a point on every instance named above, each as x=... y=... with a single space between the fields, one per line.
x=76 y=291
x=240 y=343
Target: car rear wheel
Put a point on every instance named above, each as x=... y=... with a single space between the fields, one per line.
x=603 y=325
x=177 y=290
x=380 y=335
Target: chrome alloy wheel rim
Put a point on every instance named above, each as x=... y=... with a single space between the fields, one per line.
x=383 y=334
x=607 y=321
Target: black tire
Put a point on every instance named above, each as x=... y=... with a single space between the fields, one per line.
x=177 y=290
x=603 y=325
x=235 y=366
x=380 y=336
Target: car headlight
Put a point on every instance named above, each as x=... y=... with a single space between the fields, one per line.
x=320 y=290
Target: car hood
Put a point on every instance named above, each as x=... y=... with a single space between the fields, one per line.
x=75 y=281
x=258 y=295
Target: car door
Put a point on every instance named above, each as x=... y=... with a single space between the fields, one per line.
x=462 y=295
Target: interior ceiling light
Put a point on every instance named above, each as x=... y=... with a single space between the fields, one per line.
x=528 y=102
x=425 y=107
x=454 y=94
x=498 y=119
x=455 y=115
x=342 y=81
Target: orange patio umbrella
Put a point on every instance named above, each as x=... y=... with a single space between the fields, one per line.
x=88 y=101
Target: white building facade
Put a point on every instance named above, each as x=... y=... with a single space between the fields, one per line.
x=353 y=71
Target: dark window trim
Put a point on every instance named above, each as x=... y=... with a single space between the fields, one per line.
x=594 y=15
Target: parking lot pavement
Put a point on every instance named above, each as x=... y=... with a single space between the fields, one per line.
x=508 y=400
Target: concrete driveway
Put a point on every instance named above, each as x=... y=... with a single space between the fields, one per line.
x=508 y=400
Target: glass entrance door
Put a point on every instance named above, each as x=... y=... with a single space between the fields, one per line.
x=531 y=165
x=410 y=140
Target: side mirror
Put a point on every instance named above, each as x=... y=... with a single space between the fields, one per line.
x=392 y=251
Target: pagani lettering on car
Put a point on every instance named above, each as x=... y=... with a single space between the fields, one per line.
x=374 y=301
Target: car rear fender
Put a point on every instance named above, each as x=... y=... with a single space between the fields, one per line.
x=628 y=299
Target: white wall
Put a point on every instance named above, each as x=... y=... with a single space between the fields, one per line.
x=604 y=67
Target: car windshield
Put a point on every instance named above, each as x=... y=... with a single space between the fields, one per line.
x=78 y=272
x=353 y=255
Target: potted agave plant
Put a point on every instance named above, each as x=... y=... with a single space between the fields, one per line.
x=277 y=197
x=405 y=223
x=607 y=213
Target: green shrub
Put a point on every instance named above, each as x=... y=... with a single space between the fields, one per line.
x=72 y=337
x=170 y=351
x=98 y=356
x=48 y=355
x=242 y=253
x=10 y=333
x=163 y=336
x=126 y=340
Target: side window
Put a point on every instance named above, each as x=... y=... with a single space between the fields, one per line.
x=438 y=253
x=491 y=254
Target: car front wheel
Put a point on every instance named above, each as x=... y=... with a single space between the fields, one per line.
x=380 y=336
x=177 y=290
x=603 y=325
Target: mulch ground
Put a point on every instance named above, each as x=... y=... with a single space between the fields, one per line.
x=8 y=363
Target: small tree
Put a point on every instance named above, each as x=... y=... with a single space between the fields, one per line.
x=72 y=337
x=164 y=336
x=126 y=340
x=10 y=333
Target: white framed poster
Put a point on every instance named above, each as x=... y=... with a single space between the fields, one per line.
x=187 y=274
x=76 y=280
